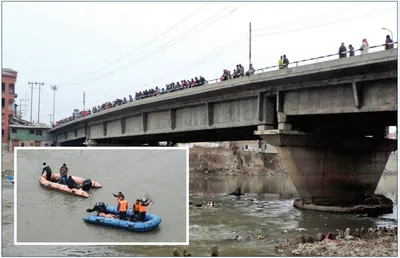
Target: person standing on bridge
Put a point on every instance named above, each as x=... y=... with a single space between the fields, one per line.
x=285 y=62
x=342 y=51
x=388 y=42
x=364 y=47
x=351 y=49
x=280 y=63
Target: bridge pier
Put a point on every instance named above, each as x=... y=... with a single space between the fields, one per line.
x=333 y=170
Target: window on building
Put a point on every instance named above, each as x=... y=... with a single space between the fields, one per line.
x=11 y=88
x=14 y=130
x=3 y=87
x=31 y=131
x=10 y=104
x=38 y=132
x=2 y=102
x=2 y=132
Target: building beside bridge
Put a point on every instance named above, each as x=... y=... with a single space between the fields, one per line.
x=23 y=133
x=9 y=78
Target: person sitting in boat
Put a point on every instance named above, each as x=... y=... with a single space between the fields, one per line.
x=71 y=183
x=135 y=210
x=47 y=169
x=63 y=174
x=122 y=207
x=142 y=209
x=100 y=207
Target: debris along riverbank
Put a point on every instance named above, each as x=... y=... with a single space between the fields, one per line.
x=221 y=161
x=360 y=242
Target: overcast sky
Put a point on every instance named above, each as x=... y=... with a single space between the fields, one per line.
x=68 y=44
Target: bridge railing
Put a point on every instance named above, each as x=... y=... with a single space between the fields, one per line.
x=293 y=64
x=310 y=61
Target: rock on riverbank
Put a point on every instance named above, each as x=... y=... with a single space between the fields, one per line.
x=221 y=161
x=374 y=242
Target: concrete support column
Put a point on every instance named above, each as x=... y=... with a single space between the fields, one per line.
x=209 y=113
x=331 y=170
x=144 y=121
x=283 y=122
x=172 y=115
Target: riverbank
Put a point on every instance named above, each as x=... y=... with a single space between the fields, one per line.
x=220 y=161
x=374 y=242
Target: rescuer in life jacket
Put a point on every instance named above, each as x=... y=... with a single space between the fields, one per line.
x=100 y=207
x=63 y=174
x=135 y=210
x=47 y=169
x=142 y=209
x=118 y=196
x=71 y=183
x=122 y=207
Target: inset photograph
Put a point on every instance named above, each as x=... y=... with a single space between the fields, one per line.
x=104 y=196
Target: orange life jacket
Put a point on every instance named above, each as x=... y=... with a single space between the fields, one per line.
x=136 y=206
x=142 y=208
x=123 y=205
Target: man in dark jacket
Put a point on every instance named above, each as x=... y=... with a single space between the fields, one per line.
x=71 y=183
x=342 y=51
x=285 y=61
x=47 y=169
x=388 y=42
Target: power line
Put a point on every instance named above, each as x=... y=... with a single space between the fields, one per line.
x=145 y=44
x=234 y=40
x=163 y=47
x=320 y=24
x=312 y=19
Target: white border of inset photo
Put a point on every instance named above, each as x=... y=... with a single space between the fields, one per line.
x=101 y=243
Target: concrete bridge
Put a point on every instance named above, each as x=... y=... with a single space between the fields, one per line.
x=318 y=116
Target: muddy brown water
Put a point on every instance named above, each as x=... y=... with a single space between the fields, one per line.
x=266 y=209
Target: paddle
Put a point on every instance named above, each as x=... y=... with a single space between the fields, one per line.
x=148 y=197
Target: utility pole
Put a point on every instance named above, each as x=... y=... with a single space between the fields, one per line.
x=31 y=83
x=22 y=105
x=249 y=44
x=54 y=88
x=40 y=87
x=83 y=100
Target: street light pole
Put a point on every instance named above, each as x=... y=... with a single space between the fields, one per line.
x=40 y=87
x=54 y=88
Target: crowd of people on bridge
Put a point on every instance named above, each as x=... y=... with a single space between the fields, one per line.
x=238 y=72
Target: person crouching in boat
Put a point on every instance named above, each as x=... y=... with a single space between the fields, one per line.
x=63 y=174
x=135 y=209
x=142 y=209
x=122 y=207
x=47 y=169
x=100 y=207
x=71 y=183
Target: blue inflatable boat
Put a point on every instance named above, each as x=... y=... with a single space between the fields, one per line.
x=151 y=221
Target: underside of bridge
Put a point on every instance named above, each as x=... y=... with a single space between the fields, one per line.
x=228 y=134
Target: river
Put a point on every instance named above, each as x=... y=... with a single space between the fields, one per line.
x=50 y=216
x=267 y=210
